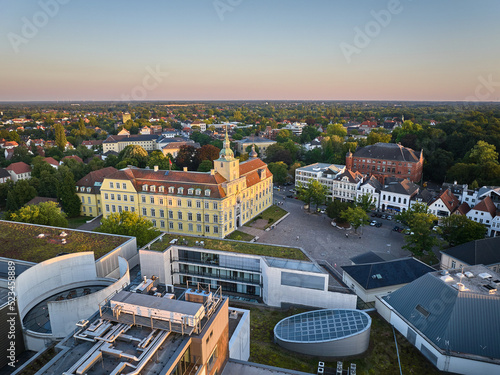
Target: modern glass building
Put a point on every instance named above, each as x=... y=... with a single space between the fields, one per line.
x=326 y=333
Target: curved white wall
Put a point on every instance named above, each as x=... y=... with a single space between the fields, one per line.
x=62 y=273
x=51 y=276
x=64 y=314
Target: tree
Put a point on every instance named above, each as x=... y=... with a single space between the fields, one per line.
x=45 y=213
x=313 y=192
x=378 y=135
x=205 y=166
x=366 y=202
x=459 y=229
x=420 y=221
x=61 y=140
x=66 y=192
x=283 y=135
x=206 y=152
x=356 y=216
x=336 y=129
x=158 y=159
x=130 y=224
x=279 y=171
x=21 y=194
x=135 y=152
x=276 y=152
x=186 y=157
x=482 y=153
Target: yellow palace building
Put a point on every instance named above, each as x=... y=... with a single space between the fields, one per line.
x=211 y=204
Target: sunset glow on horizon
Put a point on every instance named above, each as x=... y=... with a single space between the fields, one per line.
x=249 y=50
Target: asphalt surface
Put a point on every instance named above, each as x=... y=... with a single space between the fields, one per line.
x=314 y=233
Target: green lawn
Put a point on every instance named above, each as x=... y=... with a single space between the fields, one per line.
x=236 y=247
x=240 y=236
x=379 y=359
x=271 y=215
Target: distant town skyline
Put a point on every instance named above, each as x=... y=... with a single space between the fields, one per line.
x=398 y=50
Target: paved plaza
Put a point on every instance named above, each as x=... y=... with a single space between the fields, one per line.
x=314 y=233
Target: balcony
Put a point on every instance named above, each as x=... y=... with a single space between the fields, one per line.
x=217 y=276
x=214 y=263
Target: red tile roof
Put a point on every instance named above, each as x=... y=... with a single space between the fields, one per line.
x=77 y=158
x=450 y=201
x=51 y=161
x=463 y=209
x=19 y=168
x=486 y=205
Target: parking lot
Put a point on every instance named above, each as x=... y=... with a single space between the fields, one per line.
x=314 y=233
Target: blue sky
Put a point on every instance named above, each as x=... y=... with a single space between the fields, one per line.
x=248 y=49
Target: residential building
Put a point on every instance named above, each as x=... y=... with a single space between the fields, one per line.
x=381 y=278
x=53 y=162
x=483 y=213
x=261 y=143
x=19 y=171
x=285 y=277
x=483 y=251
x=74 y=157
x=451 y=317
x=396 y=194
x=444 y=205
x=88 y=190
x=387 y=160
x=126 y=116
x=118 y=142
x=4 y=175
x=346 y=185
x=211 y=204
x=372 y=187
x=321 y=172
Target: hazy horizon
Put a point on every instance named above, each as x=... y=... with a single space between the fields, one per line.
x=237 y=50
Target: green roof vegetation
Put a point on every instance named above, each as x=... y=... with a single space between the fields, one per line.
x=251 y=248
x=380 y=358
x=20 y=241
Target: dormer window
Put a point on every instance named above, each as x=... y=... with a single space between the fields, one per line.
x=171 y=189
x=190 y=191
x=152 y=188
x=161 y=189
x=198 y=191
x=77 y=188
x=180 y=190
x=82 y=189
x=207 y=192
x=144 y=187
x=88 y=190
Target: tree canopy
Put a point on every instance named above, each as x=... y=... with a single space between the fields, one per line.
x=130 y=224
x=45 y=213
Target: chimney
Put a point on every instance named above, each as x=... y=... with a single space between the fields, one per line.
x=185 y=169
x=156 y=168
x=212 y=172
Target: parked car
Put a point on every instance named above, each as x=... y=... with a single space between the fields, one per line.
x=383 y=216
x=373 y=214
x=378 y=225
x=289 y=196
x=395 y=229
x=373 y=223
x=389 y=217
x=323 y=211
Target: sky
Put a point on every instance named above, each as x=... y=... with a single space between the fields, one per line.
x=249 y=50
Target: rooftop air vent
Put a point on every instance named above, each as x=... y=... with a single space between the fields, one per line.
x=469 y=274
x=447 y=278
x=484 y=275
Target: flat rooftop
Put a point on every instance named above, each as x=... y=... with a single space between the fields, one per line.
x=25 y=242
x=474 y=279
x=162 y=242
x=249 y=368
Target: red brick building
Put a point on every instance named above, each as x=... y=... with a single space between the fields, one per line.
x=387 y=160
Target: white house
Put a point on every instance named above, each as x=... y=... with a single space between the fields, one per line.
x=444 y=205
x=346 y=185
x=19 y=171
x=483 y=212
x=396 y=194
x=321 y=172
x=371 y=186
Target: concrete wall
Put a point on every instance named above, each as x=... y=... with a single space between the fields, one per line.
x=369 y=295
x=239 y=344
x=64 y=314
x=156 y=263
x=108 y=265
x=274 y=294
x=53 y=275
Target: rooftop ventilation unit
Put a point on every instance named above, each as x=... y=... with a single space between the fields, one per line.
x=461 y=287
x=484 y=275
x=469 y=274
x=444 y=272
x=447 y=278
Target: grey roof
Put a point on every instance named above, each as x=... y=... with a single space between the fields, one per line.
x=293 y=265
x=372 y=181
x=388 y=151
x=4 y=173
x=173 y=305
x=368 y=257
x=384 y=274
x=255 y=139
x=132 y=137
x=483 y=251
x=425 y=195
x=399 y=186
x=465 y=322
